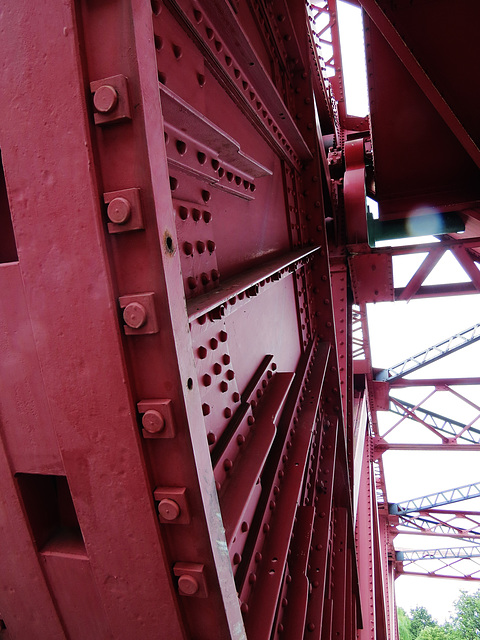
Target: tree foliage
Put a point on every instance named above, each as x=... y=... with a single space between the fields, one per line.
x=464 y=624
x=467 y=619
x=420 y=619
x=404 y=622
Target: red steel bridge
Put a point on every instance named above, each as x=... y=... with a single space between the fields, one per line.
x=189 y=442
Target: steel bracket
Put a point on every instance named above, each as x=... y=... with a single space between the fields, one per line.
x=191 y=579
x=172 y=505
x=110 y=100
x=124 y=210
x=139 y=314
x=157 y=418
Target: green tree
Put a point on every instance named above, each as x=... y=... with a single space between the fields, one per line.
x=404 y=632
x=434 y=633
x=467 y=618
x=419 y=620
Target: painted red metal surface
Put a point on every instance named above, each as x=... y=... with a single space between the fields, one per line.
x=188 y=437
x=170 y=366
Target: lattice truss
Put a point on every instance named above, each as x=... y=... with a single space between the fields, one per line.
x=452 y=395
x=425 y=425
x=359 y=343
x=323 y=23
x=462 y=563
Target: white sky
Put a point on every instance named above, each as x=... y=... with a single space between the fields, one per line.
x=399 y=330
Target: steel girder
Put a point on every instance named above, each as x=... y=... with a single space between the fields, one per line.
x=176 y=405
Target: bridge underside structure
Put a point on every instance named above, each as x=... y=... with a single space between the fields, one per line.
x=188 y=410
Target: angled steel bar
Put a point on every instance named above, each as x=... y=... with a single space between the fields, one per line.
x=436 y=499
x=467 y=263
x=429 y=263
x=442 y=424
x=428 y=523
x=432 y=354
x=439 y=554
x=415 y=69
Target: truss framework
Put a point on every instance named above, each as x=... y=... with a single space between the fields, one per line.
x=431 y=354
x=445 y=428
x=437 y=522
x=437 y=499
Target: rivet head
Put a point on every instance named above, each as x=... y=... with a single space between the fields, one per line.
x=119 y=210
x=200 y=246
x=135 y=315
x=105 y=99
x=153 y=421
x=168 y=509
x=187 y=585
x=188 y=248
x=207 y=380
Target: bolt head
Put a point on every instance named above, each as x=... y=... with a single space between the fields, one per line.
x=153 y=421
x=119 y=210
x=169 y=509
x=187 y=585
x=105 y=99
x=135 y=315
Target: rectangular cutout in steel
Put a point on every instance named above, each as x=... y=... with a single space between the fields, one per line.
x=51 y=513
x=8 y=247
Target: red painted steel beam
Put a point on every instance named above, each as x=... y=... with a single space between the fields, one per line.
x=468 y=264
x=441 y=290
x=365 y=545
x=446 y=242
x=413 y=66
x=318 y=572
x=339 y=563
x=429 y=263
x=444 y=446
x=433 y=382
x=260 y=615
x=436 y=576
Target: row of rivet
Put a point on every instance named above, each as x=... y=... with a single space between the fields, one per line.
x=182 y=148
x=245 y=587
x=207 y=35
